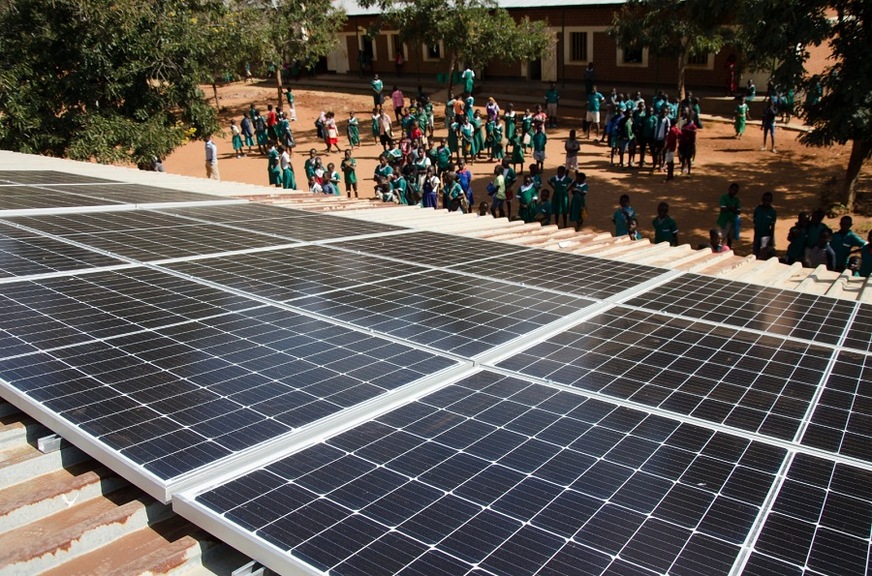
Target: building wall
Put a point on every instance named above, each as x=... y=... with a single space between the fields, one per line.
x=611 y=70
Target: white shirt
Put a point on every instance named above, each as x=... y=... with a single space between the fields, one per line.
x=285 y=160
x=211 y=152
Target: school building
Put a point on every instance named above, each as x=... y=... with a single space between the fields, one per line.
x=579 y=35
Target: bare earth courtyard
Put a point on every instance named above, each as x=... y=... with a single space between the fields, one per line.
x=796 y=174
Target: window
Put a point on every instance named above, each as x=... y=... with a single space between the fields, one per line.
x=434 y=52
x=395 y=46
x=578 y=47
x=704 y=60
x=366 y=48
x=577 y=44
x=634 y=57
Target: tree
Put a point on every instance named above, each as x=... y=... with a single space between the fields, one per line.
x=838 y=103
x=673 y=28
x=294 y=31
x=473 y=32
x=104 y=80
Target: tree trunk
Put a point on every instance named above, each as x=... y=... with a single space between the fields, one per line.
x=279 y=83
x=682 y=68
x=451 y=75
x=861 y=150
x=215 y=95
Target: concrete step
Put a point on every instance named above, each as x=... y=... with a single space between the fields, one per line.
x=48 y=494
x=24 y=462
x=172 y=547
x=78 y=530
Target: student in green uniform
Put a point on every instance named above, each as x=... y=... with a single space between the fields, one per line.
x=665 y=228
x=349 y=172
x=526 y=195
x=377 y=86
x=539 y=141
x=310 y=163
x=560 y=198
x=764 y=227
x=578 y=204
x=845 y=241
x=740 y=116
x=509 y=121
x=468 y=78
x=467 y=140
x=498 y=149
x=376 y=114
x=353 y=131
x=517 y=151
x=454 y=140
x=797 y=239
x=288 y=180
x=290 y=97
x=443 y=156
x=273 y=171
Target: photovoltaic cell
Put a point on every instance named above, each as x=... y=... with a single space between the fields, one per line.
x=41 y=177
x=180 y=397
x=859 y=335
x=790 y=314
x=71 y=225
x=289 y=273
x=156 y=243
x=135 y=193
x=449 y=312
x=246 y=212
x=756 y=383
x=23 y=254
x=819 y=524
x=432 y=248
x=58 y=312
x=496 y=475
x=571 y=273
x=842 y=419
x=28 y=198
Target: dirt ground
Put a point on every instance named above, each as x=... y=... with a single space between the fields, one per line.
x=796 y=174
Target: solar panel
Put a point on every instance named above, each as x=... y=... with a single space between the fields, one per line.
x=841 y=420
x=497 y=475
x=245 y=212
x=792 y=314
x=751 y=382
x=446 y=311
x=572 y=273
x=39 y=177
x=135 y=193
x=431 y=248
x=28 y=198
x=282 y=275
x=23 y=254
x=57 y=312
x=69 y=225
x=173 y=399
x=859 y=335
x=819 y=524
x=177 y=240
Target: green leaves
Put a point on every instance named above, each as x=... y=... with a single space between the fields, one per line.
x=111 y=81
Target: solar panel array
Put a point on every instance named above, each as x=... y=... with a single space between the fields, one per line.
x=333 y=395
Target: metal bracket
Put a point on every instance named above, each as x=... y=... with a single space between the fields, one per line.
x=253 y=568
x=48 y=444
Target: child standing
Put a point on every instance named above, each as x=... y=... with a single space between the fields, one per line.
x=622 y=216
x=237 y=139
x=578 y=206
x=349 y=172
x=665 y=228
x=740 y=116
x=764 y=227
x=539 y=141
x=517 y=152
x=560 y=204
x=543 y=208
x=526 y=196
x=498 y=151
x=572 y=147
x=353 y=131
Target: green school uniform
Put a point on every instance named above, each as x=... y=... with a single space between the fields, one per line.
x=560 y=196
x=527 y=208
x=453 y=143
x=509 y=120
x=349 y=170
x=664 y=230
x=273 y=170
x=725 y=217
x=353 y=132
x=579 y=202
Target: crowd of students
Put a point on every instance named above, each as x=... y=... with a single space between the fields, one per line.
x=416 y=168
